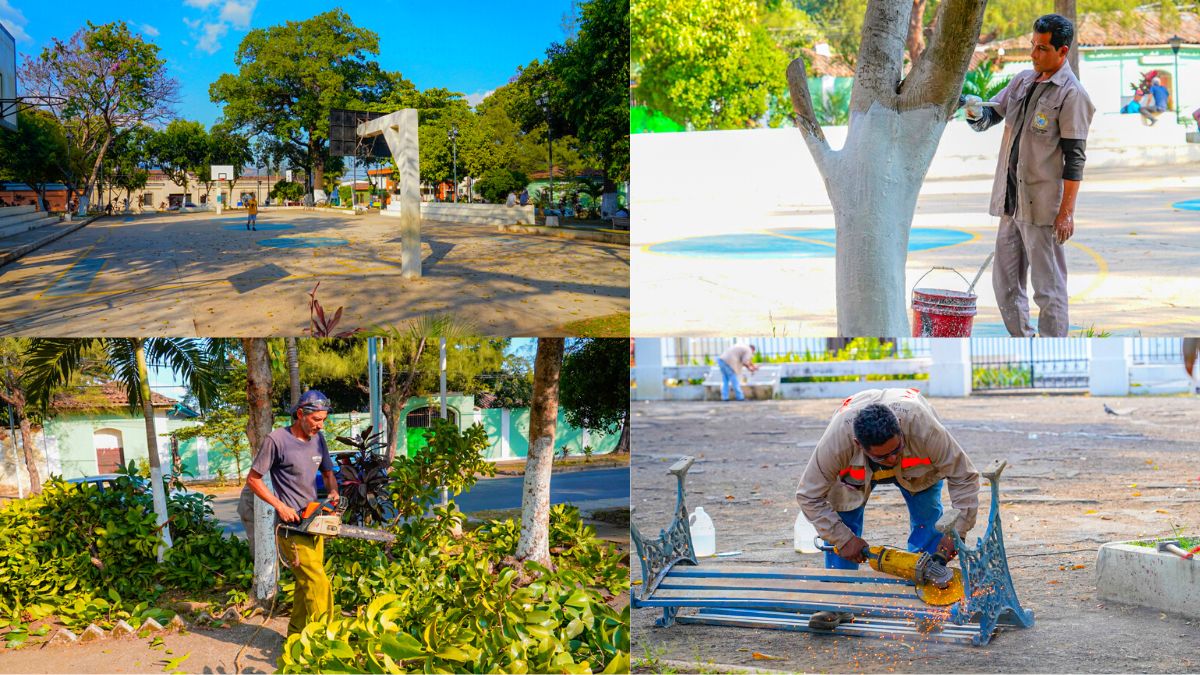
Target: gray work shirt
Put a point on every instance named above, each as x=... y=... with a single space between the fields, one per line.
x=292 y=465
x=1062 y=110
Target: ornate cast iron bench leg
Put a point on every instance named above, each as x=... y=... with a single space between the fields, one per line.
x=990 y=596
x=673 y=545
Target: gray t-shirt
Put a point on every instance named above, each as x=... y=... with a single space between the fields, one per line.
x=292 y=465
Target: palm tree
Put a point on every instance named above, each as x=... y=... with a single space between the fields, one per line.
x=53 y=362
x=12 y=393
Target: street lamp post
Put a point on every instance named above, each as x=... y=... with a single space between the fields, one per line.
x=1176 y=42
x=544 y=102
x=453 y=136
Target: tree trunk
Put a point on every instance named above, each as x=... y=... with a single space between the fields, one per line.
x=534 y=543
x=17 y=401
x=623 y=441
x=1067 y=8
x=896 y=123
x=258 y=427
x=916 y=31
x=293 y=359
x=157 y=489
x=92 y=179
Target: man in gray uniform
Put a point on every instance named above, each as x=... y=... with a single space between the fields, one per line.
x=1046 y=114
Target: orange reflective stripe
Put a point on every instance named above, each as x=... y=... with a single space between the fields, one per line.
x=856 y=474
x=909 y=462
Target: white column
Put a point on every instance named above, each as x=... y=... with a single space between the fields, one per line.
x=648 y=354
x=950 y=372
x=1108 y=370
x=202 y=457
x=505 y=425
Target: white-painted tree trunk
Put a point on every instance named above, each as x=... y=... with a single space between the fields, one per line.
x=535 y=502
x=873 y=183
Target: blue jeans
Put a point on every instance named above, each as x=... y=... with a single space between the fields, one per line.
x=924 y=509
x=730 y=379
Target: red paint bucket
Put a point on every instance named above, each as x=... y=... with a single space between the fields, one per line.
x=942 y=313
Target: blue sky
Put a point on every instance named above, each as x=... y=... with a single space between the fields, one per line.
x=469 y=46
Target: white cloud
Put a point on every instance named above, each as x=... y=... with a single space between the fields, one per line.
x=216 y=21
x=237 y=13
x=149 y=30
x=477 y=98
x=209 y=41
x=14 y=20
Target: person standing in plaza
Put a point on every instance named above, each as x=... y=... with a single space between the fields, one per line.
x=251 y=213
x=731 y=363
x=1047 y=113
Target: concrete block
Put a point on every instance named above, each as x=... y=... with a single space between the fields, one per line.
x=231 y=615
x=122 y=629
x=176 y=624
x=62 y=637
x=151 y=625
x=92 y=633
x=1138 y=575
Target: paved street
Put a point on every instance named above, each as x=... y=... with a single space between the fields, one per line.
x=203 y=274
x=1132 y=261
x=599 y=488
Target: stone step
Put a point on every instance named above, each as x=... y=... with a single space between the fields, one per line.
x=17 y=245
x=14 y=210
x=40 y=220
x=7 y=217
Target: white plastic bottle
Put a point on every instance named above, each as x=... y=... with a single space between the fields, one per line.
x=704 y=534
x=804 y=535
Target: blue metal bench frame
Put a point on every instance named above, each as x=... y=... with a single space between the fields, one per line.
x=884 y=607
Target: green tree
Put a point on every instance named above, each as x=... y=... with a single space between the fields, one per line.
x=180 y=150
x=287 y=190
x=707 y=64
x=498 y=182
x=290 y=76
x=225 y=425
x=225 y=147
x=35 y=153
x=13 y=392
x=106 y=79
x=125 y=169
x=593 y=74
x=55 y=362
x=594 y=386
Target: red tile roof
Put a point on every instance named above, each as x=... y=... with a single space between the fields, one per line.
x=111 y=395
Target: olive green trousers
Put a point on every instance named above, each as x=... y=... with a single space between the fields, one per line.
x=305 y=555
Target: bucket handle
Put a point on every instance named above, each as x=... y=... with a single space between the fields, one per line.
x=912 y=294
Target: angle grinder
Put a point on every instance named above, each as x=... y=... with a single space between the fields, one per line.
x=936 y=582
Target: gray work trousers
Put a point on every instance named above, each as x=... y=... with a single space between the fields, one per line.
x=1030 y=250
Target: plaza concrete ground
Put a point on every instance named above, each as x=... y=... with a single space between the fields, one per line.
x=203 y=274
x=1132 y=262
x=1077 y=478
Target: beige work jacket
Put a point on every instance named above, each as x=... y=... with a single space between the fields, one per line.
x=838 y=475
x=1065 y=111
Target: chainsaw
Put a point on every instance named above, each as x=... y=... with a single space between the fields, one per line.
x=323 y=519
x=937 y=584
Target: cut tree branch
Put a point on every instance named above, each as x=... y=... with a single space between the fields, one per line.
x=806 y=117
x=937 y=78
x=880 y=63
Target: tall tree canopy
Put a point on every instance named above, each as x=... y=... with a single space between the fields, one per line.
x=107 y=79
x=290 y=76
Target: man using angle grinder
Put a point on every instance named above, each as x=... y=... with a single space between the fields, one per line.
x=886 y=436
x=291 y=456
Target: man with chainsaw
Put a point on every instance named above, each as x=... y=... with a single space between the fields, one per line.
x=1046 y=115
x=884 y=436
x=291 y=456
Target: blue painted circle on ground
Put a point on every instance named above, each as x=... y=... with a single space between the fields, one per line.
x=303 y=242
x=793 y=243
x=261 y=226
x=1189 y=205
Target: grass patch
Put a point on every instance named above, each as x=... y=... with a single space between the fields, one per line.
x=609 y=325
x=1186 y=543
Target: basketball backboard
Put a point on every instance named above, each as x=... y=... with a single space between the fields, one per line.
x=8 y=79
x=222 y=172
x=343 y=135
